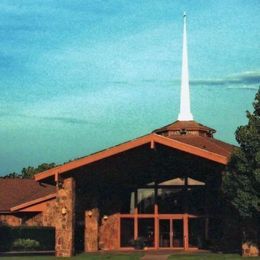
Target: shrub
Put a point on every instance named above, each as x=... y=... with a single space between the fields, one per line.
x=139 y=243
x=45 y=236
x=25 y=244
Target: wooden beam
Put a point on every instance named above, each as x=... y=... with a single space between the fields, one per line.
x=39 y=207
x=190 y=149
x=152 y=144
x=33 y=202
x=150 y=138
x=94 y=157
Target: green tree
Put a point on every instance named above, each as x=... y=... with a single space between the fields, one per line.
x=44 y=167
x=30 y=171
x=241 y=182
x=12 y=175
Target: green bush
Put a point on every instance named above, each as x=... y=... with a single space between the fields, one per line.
x=44 y=235
x=25 y=244
x=139 y=243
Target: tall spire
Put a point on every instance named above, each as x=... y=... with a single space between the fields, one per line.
x=185 y=113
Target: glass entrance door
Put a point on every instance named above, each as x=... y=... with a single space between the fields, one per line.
x=170 y=233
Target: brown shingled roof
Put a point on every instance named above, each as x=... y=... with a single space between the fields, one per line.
x=206 y=143
x=187 y=125
x=14 y=192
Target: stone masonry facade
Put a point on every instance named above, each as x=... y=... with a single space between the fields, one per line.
x=64 y=218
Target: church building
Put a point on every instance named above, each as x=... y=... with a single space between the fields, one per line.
x=158 y=191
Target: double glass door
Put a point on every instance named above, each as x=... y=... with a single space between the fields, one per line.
x=171 y=233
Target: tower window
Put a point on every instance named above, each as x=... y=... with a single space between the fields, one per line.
x=183 y=132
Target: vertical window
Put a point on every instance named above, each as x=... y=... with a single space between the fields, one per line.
x=177 y=232
x=145 y=200
x=146 y=231
x=196 y=200
x=170 y=200
x=127 y=232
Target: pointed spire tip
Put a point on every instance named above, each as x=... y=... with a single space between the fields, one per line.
x=185 y=111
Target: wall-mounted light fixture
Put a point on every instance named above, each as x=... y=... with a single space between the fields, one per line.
x=60 y=183
x=64 y=211
x=105 y=217
x=90 y=213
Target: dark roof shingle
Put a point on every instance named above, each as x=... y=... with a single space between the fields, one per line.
x=188 y=125
x=207 y=143
x=14 y=192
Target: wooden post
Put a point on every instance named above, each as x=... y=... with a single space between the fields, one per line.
x=135 y=217
x=156 y=227
x=156 y=217
x=135 y=224
x=186 y=231
x=171 y=232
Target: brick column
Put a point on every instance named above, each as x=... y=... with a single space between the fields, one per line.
x=91 y=230
x=65 y=218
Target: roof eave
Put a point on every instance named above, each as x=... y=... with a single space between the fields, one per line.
x=94 y=157
x=32 y=202
x=151 y=138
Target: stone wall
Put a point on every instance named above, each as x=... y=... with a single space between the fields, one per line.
x=35 y=219
x=11 y=220
x=64 y=215
x=250 y=249
x=59 y=213
x=109 y=233
x=49 y=215
x=91 y=230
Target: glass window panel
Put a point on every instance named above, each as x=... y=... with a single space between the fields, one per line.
x=146 y=231
x=164 y=229
x=196 y=200
x=177 y=233
x=127 y=202
x=170 y=200
x=132 y=203
x=145 y=200
x=127 y=232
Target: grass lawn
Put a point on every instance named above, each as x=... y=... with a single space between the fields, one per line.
x=98 y=256
x=211 y=257
x=135 y=256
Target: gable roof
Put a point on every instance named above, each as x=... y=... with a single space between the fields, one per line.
x=216 y=151
x=14 y=192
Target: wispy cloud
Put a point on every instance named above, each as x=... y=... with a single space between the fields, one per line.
x=67 y=120
x=245 y=78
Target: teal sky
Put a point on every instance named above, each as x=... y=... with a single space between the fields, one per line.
x=80 y=76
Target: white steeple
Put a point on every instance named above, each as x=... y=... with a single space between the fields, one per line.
x=185 y=113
